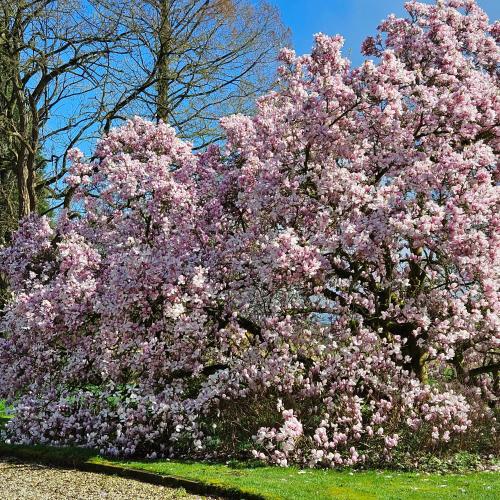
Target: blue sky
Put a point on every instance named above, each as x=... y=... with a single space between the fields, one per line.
x=353 y=19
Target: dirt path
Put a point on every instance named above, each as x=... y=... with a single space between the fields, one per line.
x=31 y=481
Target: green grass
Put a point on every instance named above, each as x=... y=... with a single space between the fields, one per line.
x=291 y=483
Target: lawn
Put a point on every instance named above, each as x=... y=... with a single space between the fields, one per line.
x=291 y=483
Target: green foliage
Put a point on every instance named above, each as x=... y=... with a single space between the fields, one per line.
x=4 y=414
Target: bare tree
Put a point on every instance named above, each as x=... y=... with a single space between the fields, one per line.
x=54 y=54
x=193 y=61
x=69 y=69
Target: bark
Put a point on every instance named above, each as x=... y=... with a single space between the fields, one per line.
x=24 y=206
x=164 y=52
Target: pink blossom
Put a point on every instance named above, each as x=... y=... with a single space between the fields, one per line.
x=303 y=284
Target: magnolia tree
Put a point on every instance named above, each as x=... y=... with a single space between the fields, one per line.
x=323 y=290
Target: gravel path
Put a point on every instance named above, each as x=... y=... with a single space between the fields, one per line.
x=38 y=482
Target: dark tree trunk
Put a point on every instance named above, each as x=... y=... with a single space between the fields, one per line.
x=162 y=87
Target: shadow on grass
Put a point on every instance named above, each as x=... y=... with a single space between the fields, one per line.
x=68 y=455
x=48 y=454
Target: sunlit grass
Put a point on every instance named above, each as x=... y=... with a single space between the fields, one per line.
x=289 y=483
x=3 y=414
x=292 y=483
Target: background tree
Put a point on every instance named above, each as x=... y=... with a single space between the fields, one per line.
x=9 y=192
x=54 y=55
x=70 y=67
x=8 y=180
x=194 y=61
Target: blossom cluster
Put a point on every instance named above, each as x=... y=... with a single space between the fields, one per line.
x=323 y=289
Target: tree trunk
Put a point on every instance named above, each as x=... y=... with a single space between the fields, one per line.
x=165 y=42
x=24 y=207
